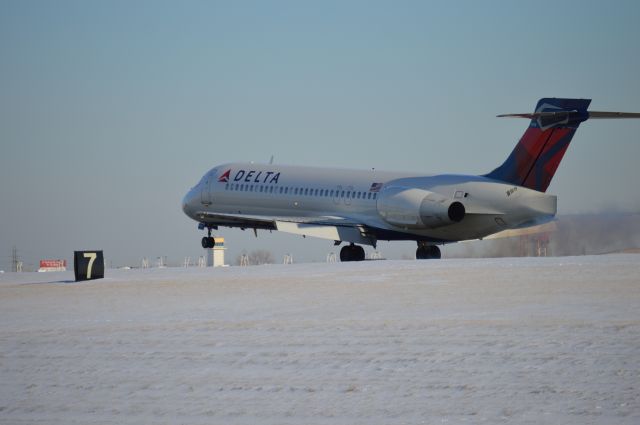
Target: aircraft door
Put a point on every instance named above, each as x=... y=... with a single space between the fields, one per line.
x=205 y=195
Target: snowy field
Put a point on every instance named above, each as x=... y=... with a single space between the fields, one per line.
x=526 y=341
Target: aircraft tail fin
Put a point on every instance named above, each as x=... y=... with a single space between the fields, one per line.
x=537 y=155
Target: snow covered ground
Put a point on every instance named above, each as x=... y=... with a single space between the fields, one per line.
x=527 y=341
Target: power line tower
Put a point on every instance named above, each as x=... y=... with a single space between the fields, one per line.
x=15 y=260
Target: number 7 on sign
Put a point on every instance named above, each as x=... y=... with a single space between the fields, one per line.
x=92 y=257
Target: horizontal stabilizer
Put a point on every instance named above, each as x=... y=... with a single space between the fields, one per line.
x=567 y=114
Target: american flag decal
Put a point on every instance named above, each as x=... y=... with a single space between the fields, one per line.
x=375 y=187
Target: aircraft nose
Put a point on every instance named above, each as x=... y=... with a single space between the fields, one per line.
x=187 y=202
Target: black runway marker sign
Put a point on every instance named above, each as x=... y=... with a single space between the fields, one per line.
x=88 y=265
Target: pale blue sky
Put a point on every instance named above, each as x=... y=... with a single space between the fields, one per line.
x=110 y=111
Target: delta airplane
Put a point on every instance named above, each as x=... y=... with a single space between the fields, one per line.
x=361 y=207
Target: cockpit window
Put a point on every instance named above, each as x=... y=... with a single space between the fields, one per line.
x=211 y=173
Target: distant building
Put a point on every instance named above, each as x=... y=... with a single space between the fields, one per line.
x=531 y=241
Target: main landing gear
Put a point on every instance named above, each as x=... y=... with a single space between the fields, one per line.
x=208 y=241
x=352 y=253
x=427 y=252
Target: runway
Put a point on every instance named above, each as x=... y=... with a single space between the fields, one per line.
x=513 y=340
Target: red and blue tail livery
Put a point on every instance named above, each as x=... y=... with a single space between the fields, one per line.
x=537 y=156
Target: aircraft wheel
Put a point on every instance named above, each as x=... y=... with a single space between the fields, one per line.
x=208 y=242
x=345 y=253
x=434 y=252
x=352 y=253
x=428 y=252
x=358 y=253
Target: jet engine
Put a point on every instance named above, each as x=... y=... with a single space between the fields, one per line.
x=418 y=208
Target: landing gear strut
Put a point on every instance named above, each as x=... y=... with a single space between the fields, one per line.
x=352 y=253
x=208 y=241
x=427 y=252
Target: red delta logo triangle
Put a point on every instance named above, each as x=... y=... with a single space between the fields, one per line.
x=225 y=177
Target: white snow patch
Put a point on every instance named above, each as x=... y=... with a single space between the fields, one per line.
x=551 y=340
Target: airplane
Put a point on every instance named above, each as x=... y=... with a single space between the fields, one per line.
x=362 y=207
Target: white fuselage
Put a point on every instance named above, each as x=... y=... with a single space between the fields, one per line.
x=397 y=206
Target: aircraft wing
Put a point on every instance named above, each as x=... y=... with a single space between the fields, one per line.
x=325 y=227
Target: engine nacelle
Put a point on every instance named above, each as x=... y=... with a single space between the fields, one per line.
x=418 y=208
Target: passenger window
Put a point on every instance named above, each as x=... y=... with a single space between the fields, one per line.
x=306 y=192
x=280 y=190
x=375 y=195
x=226 y=186
x=331 y=193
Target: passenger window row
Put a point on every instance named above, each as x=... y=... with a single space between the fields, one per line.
x=300 y=191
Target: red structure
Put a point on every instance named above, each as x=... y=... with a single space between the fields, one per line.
x=53 y=265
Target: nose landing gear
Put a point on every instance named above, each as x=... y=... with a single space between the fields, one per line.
x=208 y=241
